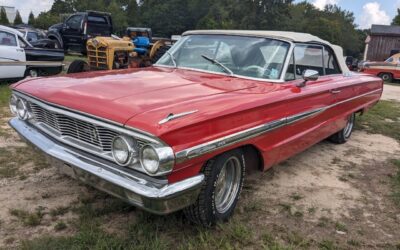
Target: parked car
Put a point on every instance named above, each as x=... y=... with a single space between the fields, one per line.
x=181 y=134
x=36 y=37
x=352 y=63
x=73 y=33
x=18 y=58
x=387 y=70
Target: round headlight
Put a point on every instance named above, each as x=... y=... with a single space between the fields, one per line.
x=13 y=104
x=21 y=109
x=123 y=150
x=149 y=159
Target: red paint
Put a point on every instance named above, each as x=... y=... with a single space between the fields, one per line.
x=140 y=98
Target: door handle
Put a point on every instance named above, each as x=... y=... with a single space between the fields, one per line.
x=335 y=91
x=20 y=50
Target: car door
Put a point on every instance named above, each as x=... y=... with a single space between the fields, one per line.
x=307 y=105
x=72 y=31
x=10 y=52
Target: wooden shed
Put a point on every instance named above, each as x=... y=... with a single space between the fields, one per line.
x=383 y=42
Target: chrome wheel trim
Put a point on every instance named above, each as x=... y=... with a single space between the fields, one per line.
x=33 y=73
x=349 y=126
x=228 y=184
x=385 y=77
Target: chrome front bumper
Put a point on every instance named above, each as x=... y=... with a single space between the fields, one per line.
x=153 y=195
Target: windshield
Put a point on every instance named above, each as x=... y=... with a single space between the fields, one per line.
x=244 y=56
x=32 y=36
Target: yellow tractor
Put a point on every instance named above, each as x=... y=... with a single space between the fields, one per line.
x=136 y=49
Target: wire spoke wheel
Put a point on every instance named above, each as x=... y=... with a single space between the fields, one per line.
x=349 y=126
x=228 y=184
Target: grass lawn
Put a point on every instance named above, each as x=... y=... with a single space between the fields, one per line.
x=5 y=92
x=384 y=119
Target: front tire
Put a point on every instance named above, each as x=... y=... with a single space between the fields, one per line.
x=344 y=135
x=220 y=192
x=78 y=66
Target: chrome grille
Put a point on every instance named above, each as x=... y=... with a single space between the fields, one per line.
x=97 y=57
x=83 y=131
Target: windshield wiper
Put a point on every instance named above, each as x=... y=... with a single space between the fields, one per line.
x=226 y=69
x=172 y=58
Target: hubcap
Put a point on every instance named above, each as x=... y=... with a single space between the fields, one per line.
x=349 y=126
x=33 y=73
x=228 y=184
x=385 y=77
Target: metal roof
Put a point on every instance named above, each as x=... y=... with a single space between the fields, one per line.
x=391 y=30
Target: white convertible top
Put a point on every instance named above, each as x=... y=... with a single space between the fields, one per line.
x=282 y=35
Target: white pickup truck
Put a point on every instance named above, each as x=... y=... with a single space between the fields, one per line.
x=18 y=58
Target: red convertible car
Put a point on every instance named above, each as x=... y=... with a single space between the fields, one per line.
x=182 y=133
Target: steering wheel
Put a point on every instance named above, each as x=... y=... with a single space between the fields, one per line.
x=261 y=72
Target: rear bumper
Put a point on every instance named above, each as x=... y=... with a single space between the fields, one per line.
x=156 y=196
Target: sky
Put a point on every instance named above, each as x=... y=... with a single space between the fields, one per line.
x=367 y=12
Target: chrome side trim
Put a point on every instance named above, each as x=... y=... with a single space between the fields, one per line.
x=229 y=140
x=172 y=116
x=32 y=63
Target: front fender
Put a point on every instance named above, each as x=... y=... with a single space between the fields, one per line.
x=55 y=35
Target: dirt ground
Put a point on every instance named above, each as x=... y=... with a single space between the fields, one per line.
x=329 y=193
x=391 y=92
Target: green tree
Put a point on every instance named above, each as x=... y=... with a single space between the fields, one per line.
x=166 y=17
x=169 y=17
x=31 y=18
x=3 y=17
x=396 y=19
x=132 y=13
x=18 y=18
x=118 y=16
x=62 y=7
x=45 y=19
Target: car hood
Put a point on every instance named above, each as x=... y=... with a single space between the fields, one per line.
x=123 y=94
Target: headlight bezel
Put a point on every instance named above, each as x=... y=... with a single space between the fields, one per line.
x=132 y=151
x=13 y=104
x=25 y=115
x=166 y=159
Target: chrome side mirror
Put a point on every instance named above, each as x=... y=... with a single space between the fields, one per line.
x=309 y=75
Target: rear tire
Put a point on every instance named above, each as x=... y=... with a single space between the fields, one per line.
x=78 y=66
x=344 y=135
x=220 y=192
x=387 y=77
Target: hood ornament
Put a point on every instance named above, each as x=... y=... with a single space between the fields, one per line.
x=173 y=116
